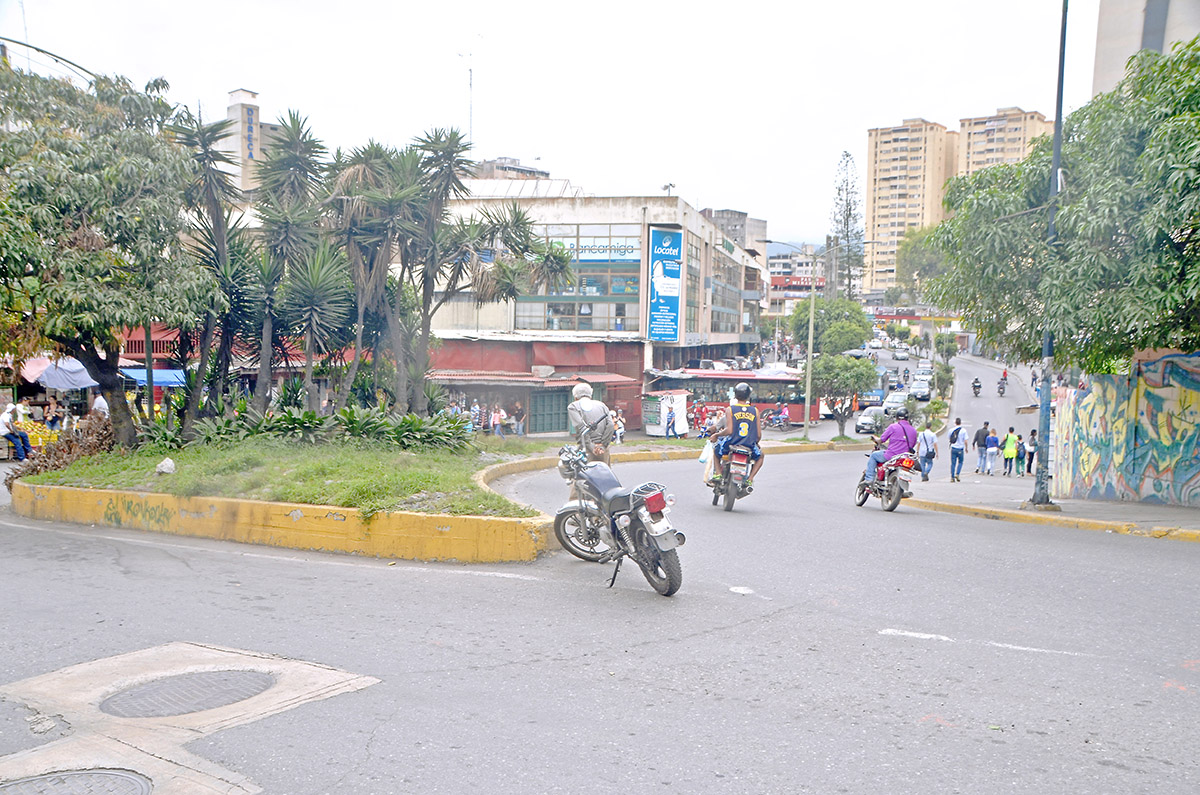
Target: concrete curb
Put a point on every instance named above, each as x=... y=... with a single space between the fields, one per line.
x=1038 y=517
x=396 y=534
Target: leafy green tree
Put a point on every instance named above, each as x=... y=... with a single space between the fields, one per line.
x=317 y=301
x=828 y=312
x=836 y=379
x=946 y=346
x=841 y=336
x=1125 y=272
x=892 y=296
x=918 y=261
x=99 y=183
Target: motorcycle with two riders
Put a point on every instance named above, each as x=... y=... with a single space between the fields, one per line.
x=738 y=456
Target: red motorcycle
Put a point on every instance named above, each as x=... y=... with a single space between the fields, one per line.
x=892 y=480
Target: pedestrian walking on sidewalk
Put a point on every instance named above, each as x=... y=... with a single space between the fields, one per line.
x=993 y=449
x=958 y=450
x=1020 y=456
x=1010 y=451
x=1031 y=447
x=927 y=449
x=979 y=444
x=671 y=432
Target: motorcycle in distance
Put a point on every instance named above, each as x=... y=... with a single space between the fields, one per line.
x=605 y=521
x=1000 y=385
x=892 y=480
x=735 y=470
x=779 y=420
x=976 y=386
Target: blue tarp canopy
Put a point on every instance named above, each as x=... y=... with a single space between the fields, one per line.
x=163 y=378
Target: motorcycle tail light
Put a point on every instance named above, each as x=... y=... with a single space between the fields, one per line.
x=740 y=458
x=907 y=463
x=656 y=502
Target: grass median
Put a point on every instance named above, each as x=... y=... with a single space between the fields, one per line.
x=365 y=476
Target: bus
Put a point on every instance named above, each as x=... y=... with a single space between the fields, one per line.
x=768 y=386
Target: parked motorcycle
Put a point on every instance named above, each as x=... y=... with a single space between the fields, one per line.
x=605 y=521
x=893 y=478
x=735 y=471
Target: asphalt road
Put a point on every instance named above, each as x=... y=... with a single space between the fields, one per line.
x=814 y=647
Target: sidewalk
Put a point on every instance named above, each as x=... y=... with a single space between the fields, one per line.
x=998 y=497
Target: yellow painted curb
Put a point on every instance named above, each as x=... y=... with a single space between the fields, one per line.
x=1040 y=517
x=396 y=534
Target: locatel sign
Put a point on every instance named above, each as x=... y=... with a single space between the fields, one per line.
x=666 y=254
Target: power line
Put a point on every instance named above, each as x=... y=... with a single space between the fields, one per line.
x=81 y=71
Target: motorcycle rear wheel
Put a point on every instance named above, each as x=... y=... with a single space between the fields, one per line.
x=582 y=542
x=861 y=493
x=731 y=492
x=892 y=493
x=661 y=569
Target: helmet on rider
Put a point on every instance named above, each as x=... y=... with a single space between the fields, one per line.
x=902 y=413
x=741 y=391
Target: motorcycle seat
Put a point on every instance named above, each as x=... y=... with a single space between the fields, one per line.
x=613 y=496
x=616 y=499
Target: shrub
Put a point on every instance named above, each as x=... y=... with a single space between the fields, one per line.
x=157 y=434
x=93 y=434
x=216 y=430
x=368 y=423
x=305 y=426
x=445 y=431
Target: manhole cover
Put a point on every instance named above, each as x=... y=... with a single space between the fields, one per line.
x=80 y=782
x=186 y=693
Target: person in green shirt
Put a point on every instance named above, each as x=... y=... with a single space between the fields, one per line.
x=1009 y=444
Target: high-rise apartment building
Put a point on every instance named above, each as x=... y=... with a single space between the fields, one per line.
x=907 y=169
x=1127 y=26
x=1005 y=137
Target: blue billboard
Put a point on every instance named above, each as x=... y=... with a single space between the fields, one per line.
x=666 y=258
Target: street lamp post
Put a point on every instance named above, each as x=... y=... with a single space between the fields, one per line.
x=812 y=308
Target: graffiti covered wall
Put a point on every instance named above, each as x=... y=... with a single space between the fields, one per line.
x=1132 y=437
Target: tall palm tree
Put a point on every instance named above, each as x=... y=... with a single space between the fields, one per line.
x=373 y=199
x=210 y=192
x=289 y=178
x=267 y=273
x=317 y=298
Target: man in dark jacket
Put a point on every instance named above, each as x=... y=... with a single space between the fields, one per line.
x=979 y=444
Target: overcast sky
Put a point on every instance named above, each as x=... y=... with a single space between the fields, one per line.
x=744 y=105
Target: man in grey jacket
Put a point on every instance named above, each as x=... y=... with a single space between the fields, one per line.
x=596 y=418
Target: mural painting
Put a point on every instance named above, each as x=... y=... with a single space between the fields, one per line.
x=1132 y=438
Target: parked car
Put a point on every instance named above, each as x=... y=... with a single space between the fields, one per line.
x=920 y=390
x=870 y=421
x=900 y=354
x=856 y=353
x=895 y=401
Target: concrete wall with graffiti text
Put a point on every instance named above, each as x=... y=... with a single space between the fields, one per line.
x=1132 y=437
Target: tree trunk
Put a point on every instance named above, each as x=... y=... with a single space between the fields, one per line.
x=262 y=388
x=421 y=358
x=310 y=389
x=105 y=371
x=149 y=373
x=396 y=333
x=193 y=402
x=343 y=393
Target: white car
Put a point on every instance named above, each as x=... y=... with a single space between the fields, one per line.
x=900 y=355
x=875 y=344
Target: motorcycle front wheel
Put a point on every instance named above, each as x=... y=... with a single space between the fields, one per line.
x=861 y=493
x=892 y=493
x=662 y=569
x=580 y=536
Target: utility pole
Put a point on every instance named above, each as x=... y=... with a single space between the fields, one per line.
x=1041 y=490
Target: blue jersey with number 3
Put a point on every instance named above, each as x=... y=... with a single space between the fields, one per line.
x=745 y=425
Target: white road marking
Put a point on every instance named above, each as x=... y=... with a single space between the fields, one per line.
x=919 y=635
x=742 y=590
x=926 y=636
